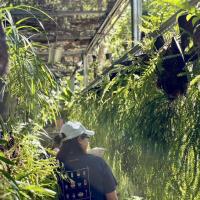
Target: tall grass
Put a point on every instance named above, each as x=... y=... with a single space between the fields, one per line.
x=154 y=142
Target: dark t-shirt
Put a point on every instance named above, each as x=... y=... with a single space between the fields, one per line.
x=89 y=178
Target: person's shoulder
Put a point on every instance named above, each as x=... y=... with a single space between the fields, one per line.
x=95 y=161
x=94 y=158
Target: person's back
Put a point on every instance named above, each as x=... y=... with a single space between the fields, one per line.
x=90 y=175
x=82 y=176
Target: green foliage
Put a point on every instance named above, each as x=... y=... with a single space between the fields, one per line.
x=31 y=175
x=119 y=40
x=33 y=96
x=156 y=12
x=155 y=142
x=152 y=144
x=29 y=81
x=152 y=137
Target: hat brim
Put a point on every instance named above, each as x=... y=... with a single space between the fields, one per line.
x=90 y=133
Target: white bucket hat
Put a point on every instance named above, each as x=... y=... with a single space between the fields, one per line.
x=70 y=130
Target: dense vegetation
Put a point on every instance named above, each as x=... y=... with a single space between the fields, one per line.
x=152 y=141
x=28 y=104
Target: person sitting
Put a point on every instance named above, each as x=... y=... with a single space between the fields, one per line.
x=82 y=176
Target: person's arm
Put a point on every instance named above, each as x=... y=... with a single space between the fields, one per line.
x=112 y=195
x=109 y=182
